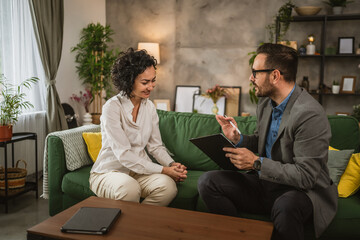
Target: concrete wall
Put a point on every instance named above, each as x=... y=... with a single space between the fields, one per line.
x=203 y=42
x=206 y=42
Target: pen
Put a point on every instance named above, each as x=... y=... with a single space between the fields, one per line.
x=233 y=125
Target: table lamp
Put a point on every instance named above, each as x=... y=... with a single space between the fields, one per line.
x=310 y=48
x=152 y=49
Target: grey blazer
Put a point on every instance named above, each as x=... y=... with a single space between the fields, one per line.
x=299 y=154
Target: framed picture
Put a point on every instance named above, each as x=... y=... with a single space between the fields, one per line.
x=233 y=101
x=346 y=45
x=184 y=97
x=204 y=105
x=347 y=84
x=162 y=104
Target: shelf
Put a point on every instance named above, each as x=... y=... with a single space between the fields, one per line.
x=339 y=94
x=319 y=18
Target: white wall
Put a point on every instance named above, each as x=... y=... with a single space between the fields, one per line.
x=77 y=15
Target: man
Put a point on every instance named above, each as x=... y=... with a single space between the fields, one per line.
x=289 y=179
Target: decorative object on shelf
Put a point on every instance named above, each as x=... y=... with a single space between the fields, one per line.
x=12 y=103
x=162 y=104
x=215 y=94
x=342 y=113
x=16 y=176
x=87 y=119
x=337 y=5
x=305 y=83
x=348 y=84
x=356 y=112
x=302 y=50
x=335 y=87
x=310 y=48
x=330 y=51
x=292 y=44
x=84 y=98
x=184 y=97
x=284 y=17
x=307 y=10
x=346 y=45
x=94 y=61
x=358 y=50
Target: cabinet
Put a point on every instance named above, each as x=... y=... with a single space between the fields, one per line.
x=7 y=194
x=323 y=59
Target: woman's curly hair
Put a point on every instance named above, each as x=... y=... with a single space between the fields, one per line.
x=128 y=66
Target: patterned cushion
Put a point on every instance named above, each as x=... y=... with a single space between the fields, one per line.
x=75 y=148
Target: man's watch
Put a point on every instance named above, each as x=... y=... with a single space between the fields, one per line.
x=257 y=164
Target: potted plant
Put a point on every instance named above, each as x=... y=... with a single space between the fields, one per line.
x=337 y=5
x=12 y=103
x=94 y=61
x=335 y=87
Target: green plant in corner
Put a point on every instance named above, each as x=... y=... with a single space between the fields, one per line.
x=356 y=112
x=12 y=100
x=94 y=60
x=337 y=3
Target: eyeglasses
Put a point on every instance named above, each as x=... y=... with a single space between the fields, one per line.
x=263 y=70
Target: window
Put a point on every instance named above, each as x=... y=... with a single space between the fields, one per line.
x=19 y=53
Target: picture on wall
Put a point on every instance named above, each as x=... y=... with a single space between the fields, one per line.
x=204 y=105
x=346 y=45
x=233 y=100
x=184 y=97
x=162 y=104
x=347 y=84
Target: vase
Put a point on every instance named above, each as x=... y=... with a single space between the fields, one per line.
x=215 y=109
x=335 y=89
x=87 y=119
x=5 y=133
x=337 y=10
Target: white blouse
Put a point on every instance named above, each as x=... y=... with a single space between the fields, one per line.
x=124 y=141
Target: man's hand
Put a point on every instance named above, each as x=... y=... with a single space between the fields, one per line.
x=176 y=171
x=229 y=131
x=242 y=158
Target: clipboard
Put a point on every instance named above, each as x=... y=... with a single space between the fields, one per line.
x=87 y=221
x=212 y=146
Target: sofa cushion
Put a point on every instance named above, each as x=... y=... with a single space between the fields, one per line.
x=350 y=180
x=337 y=162
x=93 y=143
x=345 y=132
x=188 y=194
x=176 y=130
x=76 y=183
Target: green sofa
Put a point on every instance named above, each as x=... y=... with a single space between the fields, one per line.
x=69 y=187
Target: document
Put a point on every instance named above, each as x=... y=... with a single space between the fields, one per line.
x=87 y=221
x=212 y=146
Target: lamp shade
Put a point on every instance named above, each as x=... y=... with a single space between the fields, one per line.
x=152 y=48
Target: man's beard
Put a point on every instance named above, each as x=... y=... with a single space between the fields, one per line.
x=266 y=89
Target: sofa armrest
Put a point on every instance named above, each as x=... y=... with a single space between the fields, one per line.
x=56 y=171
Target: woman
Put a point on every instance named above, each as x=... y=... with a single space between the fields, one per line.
x=129 y=123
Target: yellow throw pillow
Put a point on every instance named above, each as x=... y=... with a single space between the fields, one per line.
x=350 y=180
x=331 y=148
x=93 y=143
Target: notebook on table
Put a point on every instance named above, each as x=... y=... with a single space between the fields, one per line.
x=212 y=146
x=91 y=220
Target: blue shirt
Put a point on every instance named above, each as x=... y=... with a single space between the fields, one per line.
x=276 y=117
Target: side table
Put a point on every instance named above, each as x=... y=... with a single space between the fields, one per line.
x=6 y=194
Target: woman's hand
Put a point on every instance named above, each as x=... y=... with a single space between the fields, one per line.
x=229 y=131
x=176 y=171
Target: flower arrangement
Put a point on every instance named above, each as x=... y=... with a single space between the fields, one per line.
x=84 y=98
x=215 y=93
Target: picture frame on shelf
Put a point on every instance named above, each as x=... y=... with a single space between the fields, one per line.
x=346 y=45
x=184 y=97
x=204 y=105
x=348 y=84
x=233 y=100
x=162 y=104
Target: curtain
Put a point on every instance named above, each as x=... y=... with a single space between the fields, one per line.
x=48 y=20
x=19 y=53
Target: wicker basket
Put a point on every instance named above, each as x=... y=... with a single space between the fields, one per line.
x=16 y=176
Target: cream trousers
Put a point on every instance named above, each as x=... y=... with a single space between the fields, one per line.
x=156 y=189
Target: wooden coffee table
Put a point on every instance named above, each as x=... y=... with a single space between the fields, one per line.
x=140 y=221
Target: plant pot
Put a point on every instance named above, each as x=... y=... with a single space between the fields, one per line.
x=337 y=10
x=5 y=133
x=335 y=89
x=96 y=118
